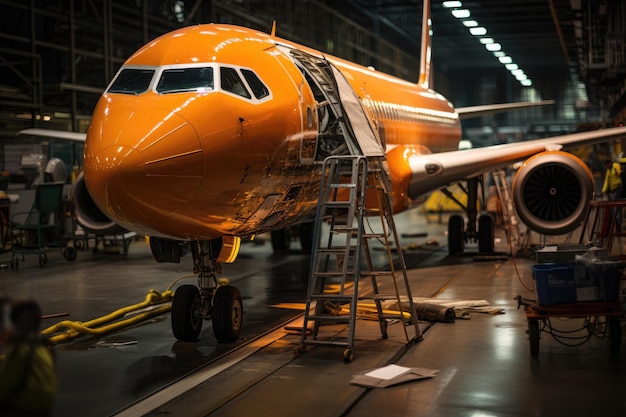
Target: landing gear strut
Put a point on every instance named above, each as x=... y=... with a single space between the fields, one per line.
x=458 y=234
x=222 y=304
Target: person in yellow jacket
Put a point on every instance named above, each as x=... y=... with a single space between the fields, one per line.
x=28 y=380
x=612 y=187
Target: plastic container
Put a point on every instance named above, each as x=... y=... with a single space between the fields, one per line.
x=555 y=283
x=562 y=283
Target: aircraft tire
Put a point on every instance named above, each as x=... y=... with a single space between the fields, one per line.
x=280 y=240
x=456 y=242
x=306 y=236
x=186 y=313
x=227 y=313
x=485 y=233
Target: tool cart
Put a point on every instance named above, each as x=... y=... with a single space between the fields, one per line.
x=579 y=289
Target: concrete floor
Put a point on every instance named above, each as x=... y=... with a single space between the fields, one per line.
x=484 y=363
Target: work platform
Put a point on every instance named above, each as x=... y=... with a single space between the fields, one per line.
x=483 y=363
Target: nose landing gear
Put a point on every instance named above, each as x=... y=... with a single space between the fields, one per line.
x=209 y=301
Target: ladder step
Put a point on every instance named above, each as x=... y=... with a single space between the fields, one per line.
x=343 y=229
x=338 y=204
x=330 y=274
x=341 y=185
x=388 y=274
x=329 y=317
x=373 y=235
x=332 y=297
x=337 y=250
x=379 y=297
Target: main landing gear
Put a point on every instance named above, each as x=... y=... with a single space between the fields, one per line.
x=458 y=234
x=208 y=301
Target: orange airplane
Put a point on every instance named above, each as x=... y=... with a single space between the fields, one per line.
x=213 y=133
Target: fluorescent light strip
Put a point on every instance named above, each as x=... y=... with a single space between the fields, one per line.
x=490 y=44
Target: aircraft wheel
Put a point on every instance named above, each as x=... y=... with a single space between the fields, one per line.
x=69 y=253
x=306 y=236
x=456 y=242
x=280 y=240
x=227 y=313
x=186 y=313
x=485 y=233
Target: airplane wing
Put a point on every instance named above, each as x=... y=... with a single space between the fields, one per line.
x=54 y=134
x=433 y=171
x=478 y=111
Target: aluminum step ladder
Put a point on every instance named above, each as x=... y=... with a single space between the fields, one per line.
x=340 y=261
x=509 y=216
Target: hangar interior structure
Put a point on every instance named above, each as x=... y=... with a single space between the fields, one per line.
x=58 y=56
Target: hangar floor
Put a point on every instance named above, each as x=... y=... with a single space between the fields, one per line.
x=483 y=361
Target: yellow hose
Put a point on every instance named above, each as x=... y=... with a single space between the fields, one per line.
x=98 y=327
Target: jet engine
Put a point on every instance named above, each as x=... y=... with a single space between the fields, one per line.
x=552 y=191
x=88 y=215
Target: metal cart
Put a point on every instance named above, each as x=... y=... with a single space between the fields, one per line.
x=539 y=319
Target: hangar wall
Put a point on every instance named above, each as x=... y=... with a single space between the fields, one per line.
x=58 y=56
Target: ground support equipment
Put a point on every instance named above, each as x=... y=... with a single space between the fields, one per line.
x=538 y=317
x=345 y=257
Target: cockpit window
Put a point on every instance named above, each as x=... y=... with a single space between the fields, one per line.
x=258 y=88
x=132 y=81
x=178 y=80
x=231 y=82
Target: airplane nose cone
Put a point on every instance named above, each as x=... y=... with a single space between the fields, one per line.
x=142 y=163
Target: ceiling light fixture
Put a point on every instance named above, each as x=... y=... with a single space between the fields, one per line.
x=452 y=4
x=461 y=13
x=490 y=44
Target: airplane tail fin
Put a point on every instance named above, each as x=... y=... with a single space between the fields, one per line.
x=273 y=34
x=426 y=53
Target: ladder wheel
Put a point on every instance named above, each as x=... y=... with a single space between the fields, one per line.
x=348 y=355
x=383 y=329
x=298 y=350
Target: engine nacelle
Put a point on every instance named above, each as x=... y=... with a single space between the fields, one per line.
x=88 y=215
x=552 y=191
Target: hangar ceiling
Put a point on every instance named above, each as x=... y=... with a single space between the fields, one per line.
x=56 y=56
x=582 y=40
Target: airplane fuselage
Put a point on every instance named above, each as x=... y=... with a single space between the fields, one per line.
x=213 y=130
